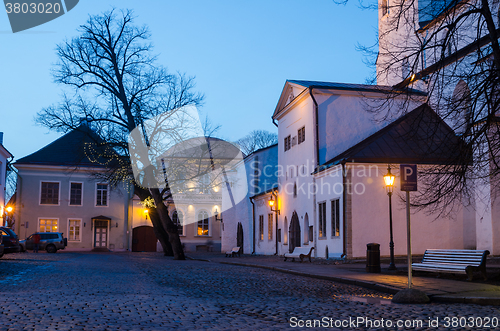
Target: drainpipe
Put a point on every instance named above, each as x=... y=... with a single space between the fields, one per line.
x=344 y=205
x=316 y=123
x=315 y=234
x=253 y=225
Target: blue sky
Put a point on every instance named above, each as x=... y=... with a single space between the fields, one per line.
x=241 y=53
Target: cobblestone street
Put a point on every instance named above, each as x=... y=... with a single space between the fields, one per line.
x=146 y=291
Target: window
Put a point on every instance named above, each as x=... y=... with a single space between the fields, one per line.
x=75 y=194
x=336 y=218
x=47 y=225
x=261 y=227
x=205 y=184
x=302 y=134
x=287 y=143
x=49 y=193
x=102 y=195
x=385 y=7
x=202 y=223
x=322 y=219
x=270 y=226
x=285 y=232
x=177 y=219
x=74 y=230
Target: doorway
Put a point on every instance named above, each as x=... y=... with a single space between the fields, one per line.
x=143 y=239
x=295 y=238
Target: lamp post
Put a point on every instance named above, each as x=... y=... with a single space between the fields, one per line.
x=389 y=185
x=8 y=216
x=273 y=204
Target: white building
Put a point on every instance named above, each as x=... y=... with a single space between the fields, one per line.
x=4 y=158
x=250 y=223
x=332 y=157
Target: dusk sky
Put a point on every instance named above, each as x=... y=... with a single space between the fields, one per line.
x=241 y=53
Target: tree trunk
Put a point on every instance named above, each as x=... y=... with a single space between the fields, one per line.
x=158 y=228
x=168 y=225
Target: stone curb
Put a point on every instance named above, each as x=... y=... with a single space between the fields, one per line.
x=369 y=285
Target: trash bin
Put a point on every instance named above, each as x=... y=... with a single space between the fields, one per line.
x=372 y=257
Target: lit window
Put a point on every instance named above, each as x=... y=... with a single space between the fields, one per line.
x=75 y=198
x=202 y=223
x=336 y=218
x=322 y=219
x=261 y=227
x=385 y=8
x=270 y=226
x=102 y=195
x=48 y=225
x=49 y=193
x=74 y=230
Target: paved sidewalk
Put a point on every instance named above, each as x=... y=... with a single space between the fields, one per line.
x=438 y=289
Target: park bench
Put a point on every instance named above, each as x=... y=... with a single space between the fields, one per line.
x=457 y=261
x=233 y=252
x=299 y=253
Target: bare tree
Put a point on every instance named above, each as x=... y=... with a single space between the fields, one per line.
x=450 y=50
x=111 y=63
x=257 y=139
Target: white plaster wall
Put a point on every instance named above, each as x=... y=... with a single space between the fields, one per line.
x=329 y=183
x=266 y=246
x=370 y=219
x=296 y=166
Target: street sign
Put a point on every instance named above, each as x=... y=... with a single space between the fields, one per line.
x=408 y=174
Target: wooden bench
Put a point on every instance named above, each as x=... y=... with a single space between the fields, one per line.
x=233 y=252
x=299 y=253
x=457 y=261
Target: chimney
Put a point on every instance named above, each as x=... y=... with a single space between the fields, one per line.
x=1 y=138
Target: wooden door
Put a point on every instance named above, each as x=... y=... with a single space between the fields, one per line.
x=294 y=232
x=143 y=239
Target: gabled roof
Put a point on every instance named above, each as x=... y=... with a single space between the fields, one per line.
x=79 y=147
x=420 y=136
x=308 y=84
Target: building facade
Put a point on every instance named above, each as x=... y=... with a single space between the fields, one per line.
x=5 y=155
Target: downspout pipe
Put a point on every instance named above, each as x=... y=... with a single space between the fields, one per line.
x=253 y=225
x=344 y=206
x=316 y=123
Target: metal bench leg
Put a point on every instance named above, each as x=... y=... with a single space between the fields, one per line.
x=470 y=273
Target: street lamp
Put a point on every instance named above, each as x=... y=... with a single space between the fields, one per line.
x=9 y=216
x=272 y=204
x=389 y=185
x=216 y=214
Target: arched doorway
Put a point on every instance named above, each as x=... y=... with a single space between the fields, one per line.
x=143 y=239
x=294 y=232
x=239 y=237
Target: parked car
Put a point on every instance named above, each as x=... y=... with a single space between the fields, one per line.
x=49 y=241
x=10 y=241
